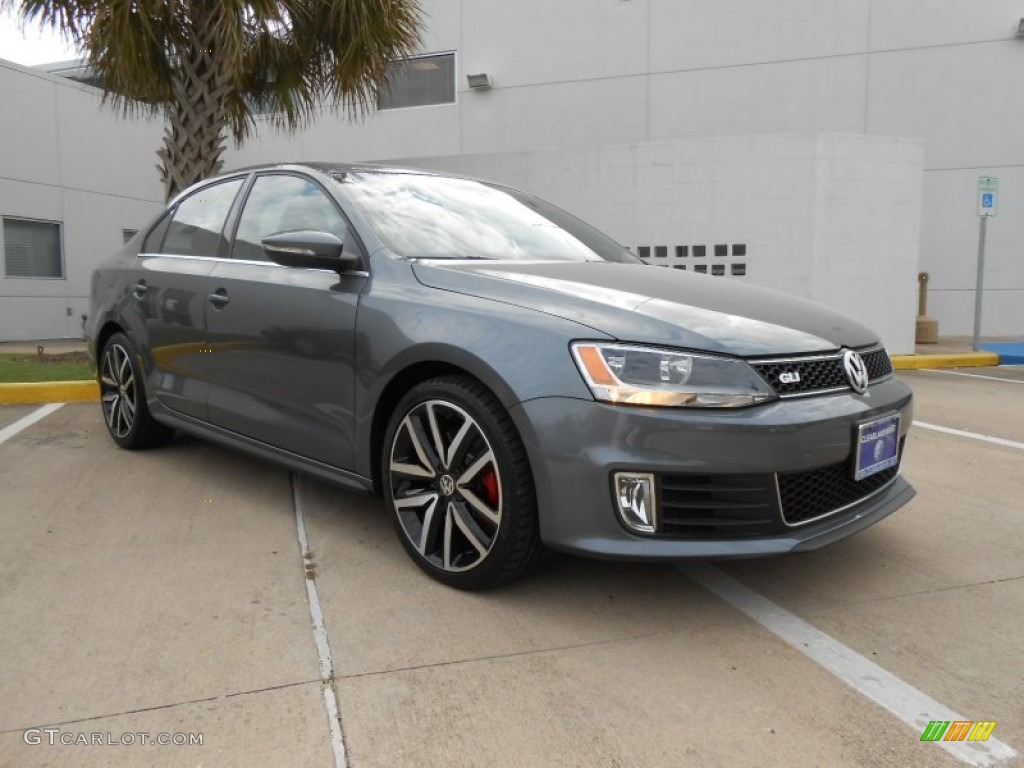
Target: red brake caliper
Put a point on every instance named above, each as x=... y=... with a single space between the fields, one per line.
x=489 y=483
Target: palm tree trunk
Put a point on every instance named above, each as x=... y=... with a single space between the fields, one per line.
x=197 y=119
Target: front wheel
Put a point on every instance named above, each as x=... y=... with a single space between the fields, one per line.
x=458 y=485
x=123 y=397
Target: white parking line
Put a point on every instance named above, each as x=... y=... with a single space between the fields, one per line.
x=972 y=375
x=323 y=646
x=910 y=705
x=972 y=435
x=27 y=421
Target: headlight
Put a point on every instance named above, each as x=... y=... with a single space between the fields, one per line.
x=626 y=374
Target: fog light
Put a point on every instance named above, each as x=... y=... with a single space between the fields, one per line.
x=634 y=493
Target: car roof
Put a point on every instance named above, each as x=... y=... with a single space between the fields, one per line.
x=329 y=169
x=333 y=168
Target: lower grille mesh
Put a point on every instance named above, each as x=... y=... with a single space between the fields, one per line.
x=739 y=506
x=807 y=495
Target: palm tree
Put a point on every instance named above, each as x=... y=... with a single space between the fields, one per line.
x=207 y=65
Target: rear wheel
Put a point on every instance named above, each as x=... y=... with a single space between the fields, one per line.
x=123 y=398
x=458 y=485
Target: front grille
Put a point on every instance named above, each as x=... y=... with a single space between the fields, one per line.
x=809 y=495
x=742 y=506
x=878 y=364
x=712 y=506
x=815 y=375
x=819 y=374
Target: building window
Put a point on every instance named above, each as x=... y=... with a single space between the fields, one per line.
x=419 y=82
x=32 y=249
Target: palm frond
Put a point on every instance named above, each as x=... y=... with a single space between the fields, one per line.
x=210 y=65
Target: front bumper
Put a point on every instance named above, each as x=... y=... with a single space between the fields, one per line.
x=575 y=446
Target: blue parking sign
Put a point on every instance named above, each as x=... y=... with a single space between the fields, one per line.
x=988 y=196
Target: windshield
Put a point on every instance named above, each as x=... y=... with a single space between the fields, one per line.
x=435 y=217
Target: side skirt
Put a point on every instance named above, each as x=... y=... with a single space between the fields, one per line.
x=286 y=459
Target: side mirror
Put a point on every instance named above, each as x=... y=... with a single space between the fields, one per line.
x=309 y=249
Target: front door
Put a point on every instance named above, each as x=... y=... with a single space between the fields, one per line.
x=282 y=339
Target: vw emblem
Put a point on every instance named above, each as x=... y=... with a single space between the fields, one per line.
x=447 y=485
x=856 y=371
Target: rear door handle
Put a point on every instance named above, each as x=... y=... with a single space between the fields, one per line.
x=139 y=289
x=219 y=298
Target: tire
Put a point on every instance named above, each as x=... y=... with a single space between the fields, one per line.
x=123 y=398
x=458 y=485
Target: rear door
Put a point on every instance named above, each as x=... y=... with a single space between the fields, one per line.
x=283 y=338
x=169 y=287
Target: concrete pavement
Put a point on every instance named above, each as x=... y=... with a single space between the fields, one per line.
x=164 y=591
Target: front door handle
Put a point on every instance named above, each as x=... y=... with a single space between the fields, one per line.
x=139 y=289
x=219 y=298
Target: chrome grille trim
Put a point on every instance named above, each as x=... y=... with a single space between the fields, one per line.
x=875 y=357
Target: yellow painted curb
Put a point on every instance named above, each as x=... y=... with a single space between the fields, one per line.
x=49 y=392
x=954 y=360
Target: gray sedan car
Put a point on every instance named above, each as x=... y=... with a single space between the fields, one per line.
x=509 y=379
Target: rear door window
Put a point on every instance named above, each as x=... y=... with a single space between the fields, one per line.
x=197 y=226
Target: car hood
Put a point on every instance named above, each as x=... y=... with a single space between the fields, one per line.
x=639 y=303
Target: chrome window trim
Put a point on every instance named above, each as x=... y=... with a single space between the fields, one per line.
x=248 y=262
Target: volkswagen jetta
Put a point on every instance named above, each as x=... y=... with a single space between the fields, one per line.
x=505 y=376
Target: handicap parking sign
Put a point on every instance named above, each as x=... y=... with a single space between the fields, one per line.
x=988 y=195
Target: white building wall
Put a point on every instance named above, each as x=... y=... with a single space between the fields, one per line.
x=832 y=218
x=582 y=74
x=65 y=159
x=590 y=73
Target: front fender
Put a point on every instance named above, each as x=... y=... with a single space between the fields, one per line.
x=518 y=353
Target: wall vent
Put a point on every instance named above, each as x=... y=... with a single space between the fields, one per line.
x=729 y=259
